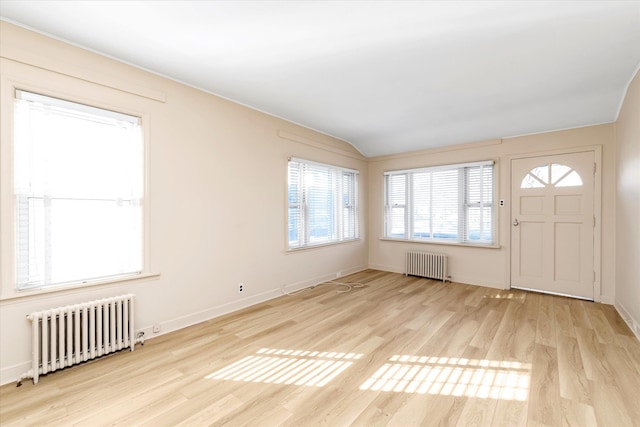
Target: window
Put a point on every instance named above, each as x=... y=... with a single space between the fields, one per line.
x=78 y=191
x=551 y=174
x=323 y=204
x=452 y=203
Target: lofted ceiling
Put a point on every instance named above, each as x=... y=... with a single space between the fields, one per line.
x=385 y=76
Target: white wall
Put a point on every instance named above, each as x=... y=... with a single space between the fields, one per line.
x=628 y=207
x=490 y=266
x=217 y=194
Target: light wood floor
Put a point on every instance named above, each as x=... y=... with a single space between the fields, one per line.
x=399 y=351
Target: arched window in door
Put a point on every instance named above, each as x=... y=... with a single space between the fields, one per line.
x=552 y=174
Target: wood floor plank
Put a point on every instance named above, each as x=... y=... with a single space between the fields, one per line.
x=545 y=326
x=545 y=391
x=579 y=315
x=616 y=322
x=510 y=413
x=601 y=325
x=627 y=378
x=477 y=412
x=487 y=330
x=577 y=414
x=609 y=406
x=399 y=351
x=596 y=366
x=573 y=379
x=631 y=346
x=562 y=313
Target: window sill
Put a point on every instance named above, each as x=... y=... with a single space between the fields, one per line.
x=320 y=245
x=440 y=242
x=15 y=293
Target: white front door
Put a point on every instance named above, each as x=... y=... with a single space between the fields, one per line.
x=552 y=232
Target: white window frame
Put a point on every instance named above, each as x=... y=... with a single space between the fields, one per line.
x=8 y=270
x=339 y=178
x=463 y=205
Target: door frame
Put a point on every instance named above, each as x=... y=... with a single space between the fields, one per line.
x=597 y=208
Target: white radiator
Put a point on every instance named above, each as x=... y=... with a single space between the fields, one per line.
x=426 y=264
x=66 y=336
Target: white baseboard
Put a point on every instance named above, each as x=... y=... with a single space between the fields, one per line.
x=457 y=279
x=221 y=310
x=606 y=299
x=292 y=287
x=475 y=282
x=12 y=373
x=633 y=324
x=388 y=268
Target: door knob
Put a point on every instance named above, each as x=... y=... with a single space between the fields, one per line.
x=515 y=222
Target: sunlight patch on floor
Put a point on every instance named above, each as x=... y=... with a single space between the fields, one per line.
x=488 y=379
x=281 y=366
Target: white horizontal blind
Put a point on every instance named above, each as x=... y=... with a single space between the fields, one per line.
x=396 y=212
x=78 y=188
x=323 y=204
x=446 y=203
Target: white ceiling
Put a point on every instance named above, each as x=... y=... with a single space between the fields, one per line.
x=387 y=77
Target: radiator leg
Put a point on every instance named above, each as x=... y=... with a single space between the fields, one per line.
x=35 y=351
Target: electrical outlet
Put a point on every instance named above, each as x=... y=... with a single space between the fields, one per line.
x=240 y=288
x=338 y=274
x=156 y=328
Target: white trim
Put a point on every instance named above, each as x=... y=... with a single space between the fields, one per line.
x=634 y=324
x=323 y=165
x=457 y=279
x=435 y=150
x=443 y=242
x=75 y=106
x=389 y=268
x=321 y=245
x=442 y=167
x=474 y=281
x=320 y=145
x=607 y=299
x=78 y=285
x=293 y=287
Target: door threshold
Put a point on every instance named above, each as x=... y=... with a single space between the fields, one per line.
x=553 y=293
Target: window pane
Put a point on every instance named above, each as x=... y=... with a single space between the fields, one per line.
x=398 y=225
x=542 y=173
x=294 y=195
x=349 y=213
x=561 y=176
x=321 y=208
x=422 y=205
x=571 y=180
x=445 y=204
x=479 y=200
x=78 y=182
x=479 y=224
x=396 y=205
x=530 y=181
